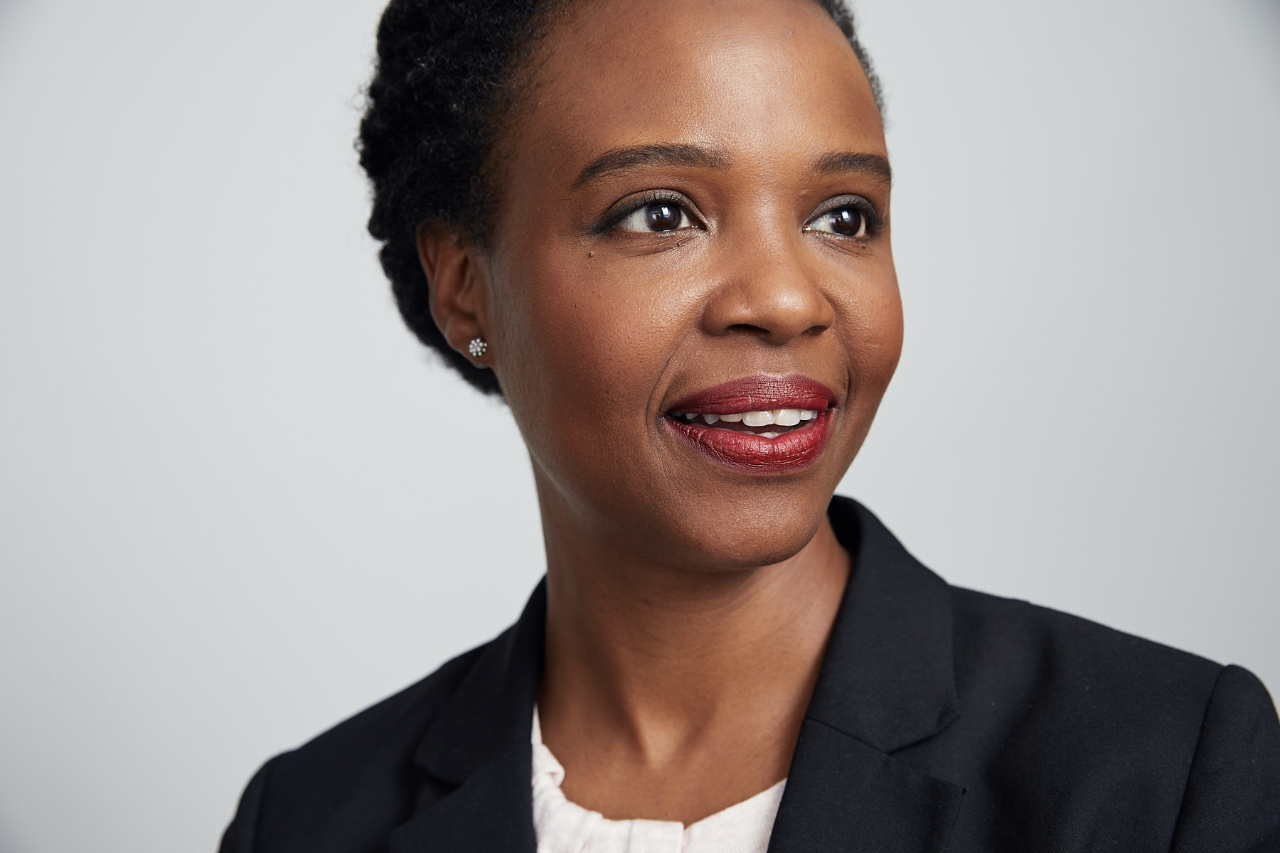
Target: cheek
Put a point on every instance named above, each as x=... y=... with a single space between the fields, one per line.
x=881 y=335
x=582 y=356
x=872 y=332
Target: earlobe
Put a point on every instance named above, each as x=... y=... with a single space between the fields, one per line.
x=449 y=264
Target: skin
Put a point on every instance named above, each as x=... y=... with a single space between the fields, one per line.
x=689 y=603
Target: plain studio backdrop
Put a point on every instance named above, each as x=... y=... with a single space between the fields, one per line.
x=239 y=503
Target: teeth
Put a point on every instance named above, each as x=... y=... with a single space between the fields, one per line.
x=770 y=434
x=781 y=417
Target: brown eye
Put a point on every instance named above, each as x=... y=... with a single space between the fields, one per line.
x=662 y=217
x=845 y=221
x=657 y=217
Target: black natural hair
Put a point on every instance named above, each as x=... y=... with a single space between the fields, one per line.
x=440 y=95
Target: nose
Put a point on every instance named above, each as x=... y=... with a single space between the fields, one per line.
x=766 y=289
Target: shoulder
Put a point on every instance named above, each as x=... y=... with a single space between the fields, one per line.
x=1003 y=653
x=350 y=787
x=387 y=731
x=350 y=783
x=1143 y=741
x=1081 y=692
x=1056 y=728
x=1000 y=641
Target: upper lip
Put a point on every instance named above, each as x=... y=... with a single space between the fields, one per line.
x=757 y=394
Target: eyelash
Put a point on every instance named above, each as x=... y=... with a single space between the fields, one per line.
x=873 y=219
x=614 y=217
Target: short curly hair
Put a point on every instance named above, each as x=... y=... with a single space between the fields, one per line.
x=436 y=107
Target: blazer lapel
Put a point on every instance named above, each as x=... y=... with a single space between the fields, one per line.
x=887 y=682
x=479 y=746
x=843 y=795
x=491 y=811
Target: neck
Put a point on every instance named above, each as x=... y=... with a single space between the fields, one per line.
x=660 y=662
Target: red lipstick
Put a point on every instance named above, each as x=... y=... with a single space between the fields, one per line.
x=793 y=448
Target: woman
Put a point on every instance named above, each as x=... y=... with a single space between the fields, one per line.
x=661 y=232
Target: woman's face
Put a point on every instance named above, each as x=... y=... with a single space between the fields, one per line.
x=693 y=229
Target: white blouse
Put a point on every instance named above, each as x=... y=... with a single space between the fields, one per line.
x=565 y=827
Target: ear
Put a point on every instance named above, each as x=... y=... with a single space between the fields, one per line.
x=456 y=287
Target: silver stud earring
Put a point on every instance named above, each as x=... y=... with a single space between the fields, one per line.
x=478 y=347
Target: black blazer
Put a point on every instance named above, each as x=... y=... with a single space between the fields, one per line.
x=943 y=719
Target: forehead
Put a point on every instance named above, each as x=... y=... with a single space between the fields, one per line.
x=749 y=77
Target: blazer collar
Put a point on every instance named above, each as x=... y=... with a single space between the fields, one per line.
x=887 y=681
x=493 y=706
x=888 y=677
x=479 y=742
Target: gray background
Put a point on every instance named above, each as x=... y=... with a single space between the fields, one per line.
x=238 y=503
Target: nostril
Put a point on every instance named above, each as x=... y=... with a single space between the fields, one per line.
x=769 y=334
x=767 y=299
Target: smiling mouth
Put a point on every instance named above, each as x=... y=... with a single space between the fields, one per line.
x=757 y=424
x=766 y=423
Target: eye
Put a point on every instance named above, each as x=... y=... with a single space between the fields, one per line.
x=847 y=221
x=655 y=217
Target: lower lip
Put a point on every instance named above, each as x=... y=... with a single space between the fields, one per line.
x=756 y=454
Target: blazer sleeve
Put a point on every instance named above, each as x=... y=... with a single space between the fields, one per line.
x=1232 y=799
x=242 y=833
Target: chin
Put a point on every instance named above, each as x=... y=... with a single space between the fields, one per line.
x=732 y=533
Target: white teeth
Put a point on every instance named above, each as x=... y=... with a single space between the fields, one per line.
x=770 y=434
x=781 y=417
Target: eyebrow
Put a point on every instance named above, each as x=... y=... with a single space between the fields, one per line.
x=662 y=154
x=865 y=164
x=686 y=155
